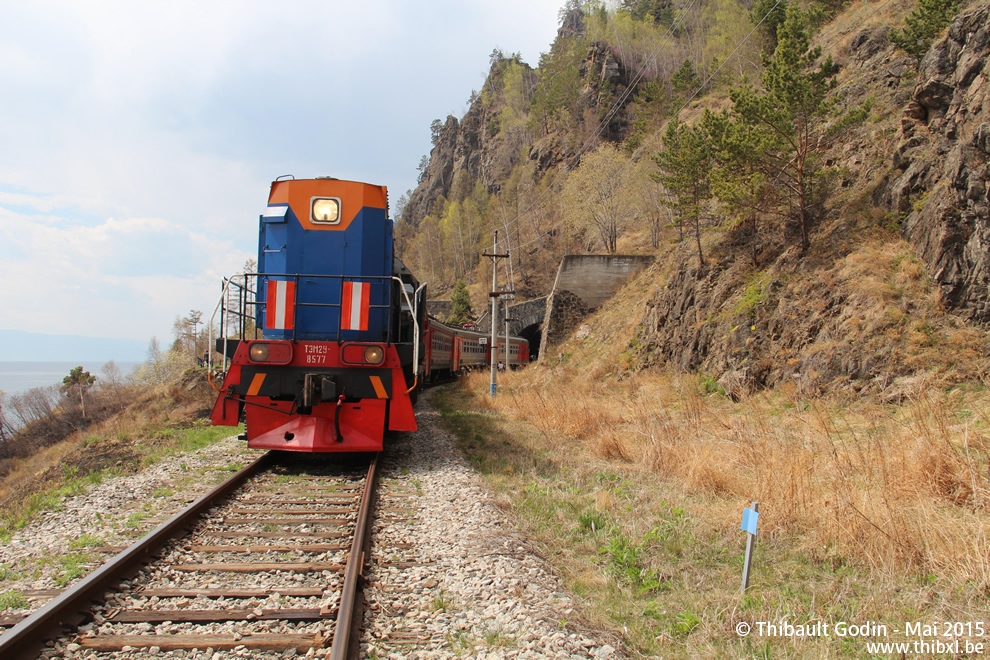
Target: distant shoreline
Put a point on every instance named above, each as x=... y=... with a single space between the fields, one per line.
x=16 y=377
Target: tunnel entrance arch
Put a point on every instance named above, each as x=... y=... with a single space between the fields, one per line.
x=533 y=334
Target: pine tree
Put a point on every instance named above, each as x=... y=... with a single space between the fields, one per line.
x=738 y=177
x=788 y=114
x=684 y=165
x=769 y=15
x=685 y=79
x=78 y=381
x=460 y=304
x=924 y=24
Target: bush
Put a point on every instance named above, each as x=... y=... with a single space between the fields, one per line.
x=925 y=23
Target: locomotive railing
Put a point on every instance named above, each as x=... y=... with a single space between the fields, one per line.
x=238 y=288
x=245 y=297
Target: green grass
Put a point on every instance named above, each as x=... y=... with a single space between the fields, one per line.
x=68 y=566
x=13 y=600
x=171 y=441
x=197 y=438
x=50 y=499
x=8 y=574
x=87 y=541
x=753 y=294
x=441 y=602
x=73 y=565
x=497 y=638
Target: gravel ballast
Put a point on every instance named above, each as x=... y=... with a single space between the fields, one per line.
x=465 y=583
x=449 y=574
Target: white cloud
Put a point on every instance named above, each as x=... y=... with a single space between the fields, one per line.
x=140 y=138
x=125 y=278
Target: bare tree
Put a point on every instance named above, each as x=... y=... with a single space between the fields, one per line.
x=36 y=403
x=113 y=381
x=4 y=427
x=597 y=191
x=192 y=323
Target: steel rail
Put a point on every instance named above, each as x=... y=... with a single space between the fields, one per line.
x=352 y=574
x=27 y=638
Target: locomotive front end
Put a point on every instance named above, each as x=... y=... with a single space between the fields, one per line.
x=335 y=322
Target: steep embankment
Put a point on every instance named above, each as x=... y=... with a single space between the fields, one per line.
x=939 y=187
x=897 y=264
x=892 y=290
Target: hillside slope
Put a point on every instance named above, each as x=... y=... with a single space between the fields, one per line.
x=892 y=288
x=902 y=242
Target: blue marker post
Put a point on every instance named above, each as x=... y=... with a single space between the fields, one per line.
x=749 y=520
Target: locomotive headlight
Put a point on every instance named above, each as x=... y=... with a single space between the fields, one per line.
x=361 y=355
x=275 y=352
x=326 y=210
x=259 y=352
x=374 y=355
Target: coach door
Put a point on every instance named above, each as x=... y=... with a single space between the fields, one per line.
x=455 y=357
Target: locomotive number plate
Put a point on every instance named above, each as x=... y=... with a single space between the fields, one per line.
x=316 y=353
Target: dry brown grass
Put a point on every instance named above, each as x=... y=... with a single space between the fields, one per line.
x=895 y=488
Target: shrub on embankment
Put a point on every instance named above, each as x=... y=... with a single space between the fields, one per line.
x=125 y=428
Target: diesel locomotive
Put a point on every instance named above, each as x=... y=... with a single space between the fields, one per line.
x=324 y=348
x=340 y=321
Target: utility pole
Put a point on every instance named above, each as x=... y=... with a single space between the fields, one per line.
x=506 y=299
x=493 y=294
x=510 y=295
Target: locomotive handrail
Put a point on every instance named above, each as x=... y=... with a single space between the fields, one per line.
x=210 y=347
x=233 y=281
x=414 y=310
x=221 y=307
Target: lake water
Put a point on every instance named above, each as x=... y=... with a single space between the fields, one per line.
x=17 y=377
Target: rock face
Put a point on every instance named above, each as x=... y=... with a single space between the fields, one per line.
x=438 y=308
x=474 y=147
x=834 y=331
x=940 y=187
x=565 y=310
x=478 y=148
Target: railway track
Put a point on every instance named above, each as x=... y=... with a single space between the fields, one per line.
x=268 y=561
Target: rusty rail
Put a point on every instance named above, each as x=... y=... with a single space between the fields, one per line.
x=26 y=639
x=355 y=568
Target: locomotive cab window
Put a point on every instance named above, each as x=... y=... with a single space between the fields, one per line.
x=325 y=210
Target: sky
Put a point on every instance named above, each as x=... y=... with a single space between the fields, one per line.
x=138 y=140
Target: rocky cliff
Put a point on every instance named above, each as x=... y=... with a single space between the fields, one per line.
x=479 y=148
x=940 y=186
x=857 y=312
x=473 y=148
